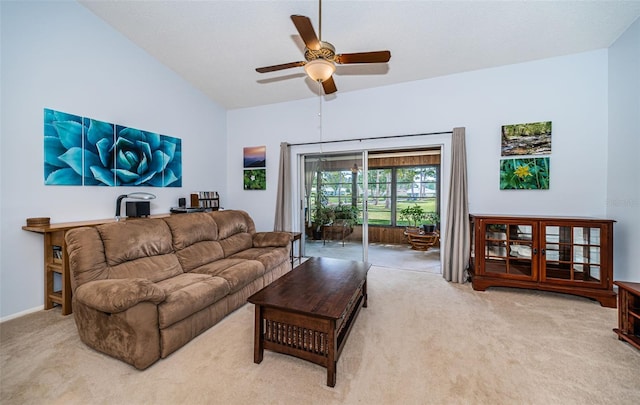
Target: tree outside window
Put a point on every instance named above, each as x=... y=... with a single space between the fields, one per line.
x=390 y=190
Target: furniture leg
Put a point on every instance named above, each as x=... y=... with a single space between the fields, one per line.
x=48 y=273
x=331 y=356
x=296 y=236
x=66 y=280
x=364 y=293
x=258 y=347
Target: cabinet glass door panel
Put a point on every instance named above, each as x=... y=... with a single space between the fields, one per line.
x=586 y=236
x=553 y=251
x=572 y=253
x=552 y=234
x=509 y=249
x=520 y=232
x=495 y=249
x=586 y=254
x=496 y=232
x=586 y=272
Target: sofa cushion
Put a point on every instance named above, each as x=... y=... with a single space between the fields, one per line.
x=139 y=248
x=188 y=293
x=270 y=257
x=271 y=239
x=232 y=222
x=195 y=239
x=86 y=256
x=155 y=268
x=192 y=228
x=199 y=254
x=237 y=272
x=236 y=243
x=133 y=239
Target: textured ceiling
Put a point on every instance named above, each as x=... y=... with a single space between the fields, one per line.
x=216 y=45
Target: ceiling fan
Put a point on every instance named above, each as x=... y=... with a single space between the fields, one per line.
x=320 y=56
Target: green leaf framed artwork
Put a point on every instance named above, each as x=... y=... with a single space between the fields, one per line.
x=255 y=179
x=524 y=174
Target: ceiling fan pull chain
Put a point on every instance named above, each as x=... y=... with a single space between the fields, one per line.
x=320 y=112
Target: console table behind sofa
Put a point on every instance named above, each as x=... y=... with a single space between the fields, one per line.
x=57 y=261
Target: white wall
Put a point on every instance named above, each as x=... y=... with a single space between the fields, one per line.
x=623 y=187
x=570 y=91
x=58 y=55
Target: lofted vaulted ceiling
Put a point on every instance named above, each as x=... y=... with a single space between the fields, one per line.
x=216 y=45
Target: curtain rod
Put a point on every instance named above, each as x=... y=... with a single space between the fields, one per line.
x=367 y=139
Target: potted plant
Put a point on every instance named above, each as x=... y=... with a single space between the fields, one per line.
x=348 y=213
x=413 y=215
x=430 y=223
x=322 y=215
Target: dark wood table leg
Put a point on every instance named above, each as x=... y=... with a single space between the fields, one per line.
x=258 y=346
x=331 y=356
x=364 y=293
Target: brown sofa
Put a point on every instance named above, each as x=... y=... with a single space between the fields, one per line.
x=143 y=288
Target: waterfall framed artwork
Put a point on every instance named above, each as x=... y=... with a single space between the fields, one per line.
x=84 y=151
x=254 y=166
x=526 y=139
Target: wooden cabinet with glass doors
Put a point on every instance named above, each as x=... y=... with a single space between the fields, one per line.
x=565 y=255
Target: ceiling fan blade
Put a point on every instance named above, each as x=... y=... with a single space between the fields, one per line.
x=329 y=86
x=364 y=57
x=306 y=31
x=279 y=67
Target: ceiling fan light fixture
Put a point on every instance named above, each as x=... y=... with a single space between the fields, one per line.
x=319 y=70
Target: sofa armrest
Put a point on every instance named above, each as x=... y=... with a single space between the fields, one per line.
x=271 y=239
x=117 y=295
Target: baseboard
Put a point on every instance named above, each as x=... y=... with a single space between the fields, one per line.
x=22 y=313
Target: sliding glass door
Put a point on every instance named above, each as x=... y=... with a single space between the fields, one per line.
x=333 y=211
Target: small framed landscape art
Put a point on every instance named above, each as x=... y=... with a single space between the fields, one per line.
x=255 y=156
x=524 y=174
x=526 y=139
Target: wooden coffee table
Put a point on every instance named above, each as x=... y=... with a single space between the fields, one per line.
x=308 y=313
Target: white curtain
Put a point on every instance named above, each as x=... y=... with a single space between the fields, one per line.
x=457 y=236
x=282 y=220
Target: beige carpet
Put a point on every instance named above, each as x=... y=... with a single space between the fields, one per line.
x=420 y=341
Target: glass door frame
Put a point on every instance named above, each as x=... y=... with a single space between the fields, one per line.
x=364 y=145
x=362 y=156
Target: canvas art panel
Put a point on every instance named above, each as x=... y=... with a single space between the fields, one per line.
x=62 y=148
x=98 y=144
x=526 y=139
x=84 y=151
x=524 y=174
x=255 y=156
x=255 y=179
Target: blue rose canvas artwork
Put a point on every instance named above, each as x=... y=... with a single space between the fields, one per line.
x=84 y=151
